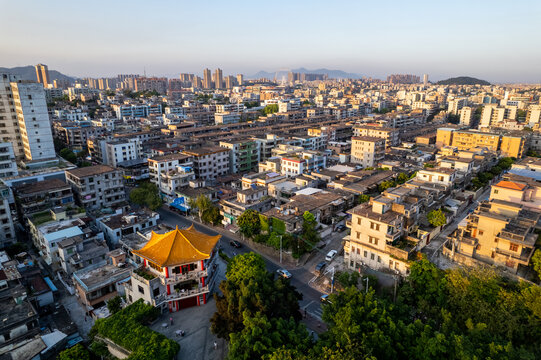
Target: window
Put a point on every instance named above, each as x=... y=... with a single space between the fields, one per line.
x=373 y=240
x=481 y=232
x=372 y=256
x=365 y=254
x=495 y=191
x=374 y=226
x=379 y=258
x=358 y=221
x=358 y=251
x=358 y=235
x=513 y=247
x=140 y=288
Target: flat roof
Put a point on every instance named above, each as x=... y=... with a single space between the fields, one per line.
x=90 y=170
x=64 y=233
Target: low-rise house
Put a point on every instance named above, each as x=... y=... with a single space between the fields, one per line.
x=100 y=282
x=261 y=179
x=118 y=225
x=498 y=232
x=177 y=270
x=439 y=175
x=253 y=198
x=76 y=253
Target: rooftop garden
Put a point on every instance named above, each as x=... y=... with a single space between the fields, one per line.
x=144 y=274
x=128 y=329
x=42 y=217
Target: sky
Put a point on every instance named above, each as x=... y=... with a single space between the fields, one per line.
x=498 y=41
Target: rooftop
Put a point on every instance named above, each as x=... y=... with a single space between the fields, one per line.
x=180 y=246
x=90 y=170
x=41 y=186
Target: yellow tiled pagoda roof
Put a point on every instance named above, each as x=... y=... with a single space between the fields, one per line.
x=178 y=247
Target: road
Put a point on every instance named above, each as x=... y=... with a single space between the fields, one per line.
x=300 y=278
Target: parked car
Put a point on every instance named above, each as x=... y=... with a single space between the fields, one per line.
x=340 y=228
x=330 y=255
x=235 y=244
x=284 y=273
x=320 y=267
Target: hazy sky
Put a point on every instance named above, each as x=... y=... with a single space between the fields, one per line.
x=495 y=40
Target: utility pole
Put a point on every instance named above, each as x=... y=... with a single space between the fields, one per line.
x=366 y=284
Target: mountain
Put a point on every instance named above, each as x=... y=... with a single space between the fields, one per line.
x=463 y=80
x=282 y=74
x=29 y=73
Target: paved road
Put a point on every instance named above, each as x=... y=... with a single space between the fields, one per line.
x=300 y=277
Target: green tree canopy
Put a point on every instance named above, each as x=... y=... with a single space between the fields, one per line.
x=436 y=218
x=77 y=352
x=147 y=194
x=249 y=223
x=114 y=305
x=249 y=289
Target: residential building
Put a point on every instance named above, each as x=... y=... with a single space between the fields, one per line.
x=98 y=186
x=177 y=270
x=118 y=151
x=266 y=144
x=100 y=282
x=116 y=226
x=518 y=189
x=243 y=155
x=7 y=230
x=170 y=171
x=226 y=118
x=9 y=124
x=33 y=118
x=533 y=116
x=466 y=116
x=513 y=145
x=42 y=74
x=390 y=135
x=498 y=232
x=253 y=198
x=306 y=161
x=77 y=252
x=207 y=79
x=439 y=175
x=210 y=162
x=42 y=196
x=8 y=166
x=455 y=105
x=367 y=150
x=261 y=179
x=218 y=79
x=151 y=84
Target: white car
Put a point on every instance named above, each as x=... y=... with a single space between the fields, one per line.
x=330 y=255
x=284 y=273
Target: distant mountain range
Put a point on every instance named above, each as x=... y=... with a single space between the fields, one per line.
x=29 y=73
x=463 y=80
x=282 y=74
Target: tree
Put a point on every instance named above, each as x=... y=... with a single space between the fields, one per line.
x=202 y=203
x=402 y=178
x=77 y=352
x=68 y=155
x=147 y=194
x=249 y=289
x=347 y=279
x=309 y=233
x=363 y=198
x=536 y=262
x=212 y=216
x=386 y=185
x=114 y=305
x=249 y=223
x=436 y=218
x=262 y=336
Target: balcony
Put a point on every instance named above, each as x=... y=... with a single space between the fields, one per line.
x=393 y=237
x=176 y=278
x=180 y=295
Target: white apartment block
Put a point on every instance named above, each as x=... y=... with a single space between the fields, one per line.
x=122 y=150
x=33 y=117
x=170 y=172
x=534 y=115
x=493 y=114
x=9 y=125
x=238 y=108
x=390 y=135
x=466 y=116
x=8 y=166
x=210 y=162
x=455 y=105
x=367 y=151
x=226 y=118
x=440 y=175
